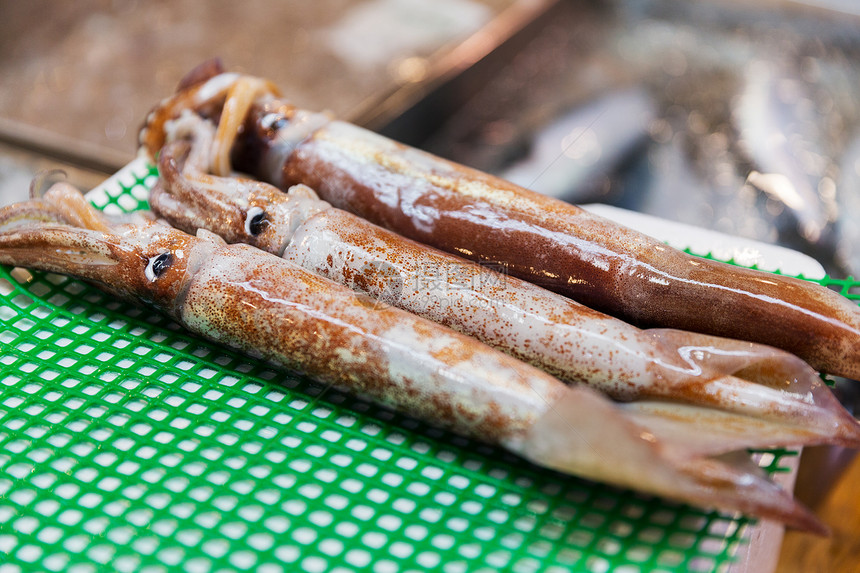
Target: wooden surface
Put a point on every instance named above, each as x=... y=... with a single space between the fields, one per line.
x=840 y=553
x=93 y=69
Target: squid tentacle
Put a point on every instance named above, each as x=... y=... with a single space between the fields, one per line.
x=543 y=240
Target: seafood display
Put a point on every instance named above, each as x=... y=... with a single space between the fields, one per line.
x=446 y=324
x=253 y=301
x=486 y=219
x=553 y=332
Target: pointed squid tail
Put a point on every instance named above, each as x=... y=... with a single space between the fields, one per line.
x=785 y=389
x=616 y=452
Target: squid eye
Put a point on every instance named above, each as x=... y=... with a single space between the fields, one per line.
x=273 y=121
x=256 y=221
x=157 y=265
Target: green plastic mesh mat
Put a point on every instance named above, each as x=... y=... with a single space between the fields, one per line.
x=128 y=445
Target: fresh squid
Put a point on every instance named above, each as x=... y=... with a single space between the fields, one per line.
x=553 y=332
x=256 y=302
x=545 y=241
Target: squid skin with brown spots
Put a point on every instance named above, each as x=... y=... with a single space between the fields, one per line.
x=256 y=302
x=777 y=391
x=542 y=240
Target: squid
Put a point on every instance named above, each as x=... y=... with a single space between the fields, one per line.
x=555 y=333
x=556 y=245
x=268 y=307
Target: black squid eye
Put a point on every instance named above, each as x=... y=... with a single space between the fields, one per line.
x=256 y=221
x=273 y=122
x=157 y=265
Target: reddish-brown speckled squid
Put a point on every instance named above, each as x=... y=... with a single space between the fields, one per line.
x=488 y=220
x=258 y=303
x=774 y=388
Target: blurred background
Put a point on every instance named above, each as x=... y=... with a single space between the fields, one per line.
x=736 y=116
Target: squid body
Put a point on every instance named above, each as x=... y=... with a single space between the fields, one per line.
x=491 y=221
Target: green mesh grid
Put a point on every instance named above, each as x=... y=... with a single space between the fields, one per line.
x=128 y=445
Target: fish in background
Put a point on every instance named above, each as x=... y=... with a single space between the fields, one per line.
x=571 y=157
x=779 y=133
x=848 y=199
x=667 y=182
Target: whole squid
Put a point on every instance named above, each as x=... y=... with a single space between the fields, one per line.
x=553 y=332
x=545 y=241
x=256 y=302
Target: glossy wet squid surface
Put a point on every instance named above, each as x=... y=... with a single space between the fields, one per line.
x=542 y=240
